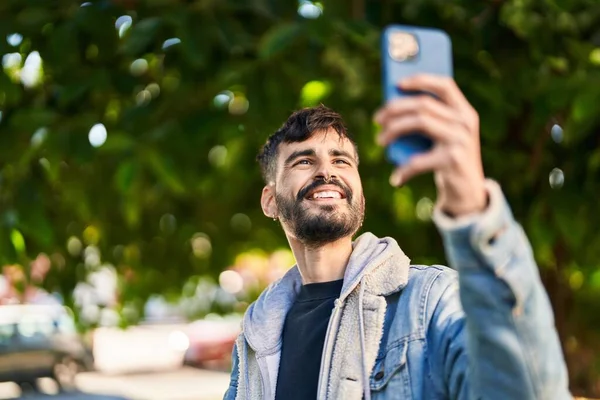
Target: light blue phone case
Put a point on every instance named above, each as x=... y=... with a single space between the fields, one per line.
x=434 y=57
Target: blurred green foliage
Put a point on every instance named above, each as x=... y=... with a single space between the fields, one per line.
x=188 y=91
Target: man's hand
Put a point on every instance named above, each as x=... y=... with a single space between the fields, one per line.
x=453 y=125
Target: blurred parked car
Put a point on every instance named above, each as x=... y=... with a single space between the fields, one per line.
x=39 y=341
x=209 y=341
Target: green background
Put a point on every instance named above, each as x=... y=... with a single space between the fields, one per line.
x=178 y=161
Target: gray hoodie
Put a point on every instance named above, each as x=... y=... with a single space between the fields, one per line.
x=263 y=322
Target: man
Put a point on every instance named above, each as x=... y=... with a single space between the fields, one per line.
x=355 y=320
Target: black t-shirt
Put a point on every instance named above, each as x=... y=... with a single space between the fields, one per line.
x=303 y=338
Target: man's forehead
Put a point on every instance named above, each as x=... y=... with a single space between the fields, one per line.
x=325 y=141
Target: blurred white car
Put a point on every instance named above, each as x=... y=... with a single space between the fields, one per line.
x=38 y=341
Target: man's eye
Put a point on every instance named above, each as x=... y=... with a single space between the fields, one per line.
x=341 y=161
x=303 y=162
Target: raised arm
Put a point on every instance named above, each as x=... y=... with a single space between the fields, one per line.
x=504 y=345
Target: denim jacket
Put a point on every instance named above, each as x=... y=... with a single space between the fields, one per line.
x=483 y=329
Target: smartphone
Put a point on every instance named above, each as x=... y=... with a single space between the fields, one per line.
x=406 y=51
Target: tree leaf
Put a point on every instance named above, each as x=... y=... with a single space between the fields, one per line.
x=277 y=39
x=141 y=36
x=164 y=171
x=118 y=143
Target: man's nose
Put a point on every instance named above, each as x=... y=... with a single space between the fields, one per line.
x=325 y=173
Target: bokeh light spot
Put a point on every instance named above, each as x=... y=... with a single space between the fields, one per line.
x=74 y=246
x=310 y=10
x=222 y=99
x=595 y=56
x=557 y=133
x=154 y=89
x=122 y=24
x=138 y=67
x=576 y=280
x=313 y=92
x=38 y=137
x=231 y=281
x=143 y=97
x=556 y=178
x=91 y=235
x=31 y=73
x=201 y=245
x=170 y=42
x=17 y=240
x=424 y=209
x=14 y=39
x=239 y=104
x=11 y=60
x=91 y=256
x=92 y=260
x=97 y=135
x=217 y=156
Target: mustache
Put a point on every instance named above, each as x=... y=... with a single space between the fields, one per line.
x=305 y=190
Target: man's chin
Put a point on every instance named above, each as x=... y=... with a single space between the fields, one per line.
x=323 y=210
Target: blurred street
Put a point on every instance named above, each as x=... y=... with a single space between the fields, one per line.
x=139 y=363
x=181 y=384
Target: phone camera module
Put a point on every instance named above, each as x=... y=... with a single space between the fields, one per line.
x=403 y=46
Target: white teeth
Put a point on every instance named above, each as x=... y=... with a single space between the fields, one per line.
x=327 y=195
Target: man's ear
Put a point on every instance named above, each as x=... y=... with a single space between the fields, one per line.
x=267 y=201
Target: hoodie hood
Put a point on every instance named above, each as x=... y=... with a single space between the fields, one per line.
x=379 y=262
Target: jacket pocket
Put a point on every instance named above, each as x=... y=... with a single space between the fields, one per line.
x=390 y=374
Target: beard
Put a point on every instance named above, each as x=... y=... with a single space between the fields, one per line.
x=330 y=223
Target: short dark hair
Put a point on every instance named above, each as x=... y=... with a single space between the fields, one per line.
x=300 y=126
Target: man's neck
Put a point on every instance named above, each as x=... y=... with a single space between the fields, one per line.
x=322 y=264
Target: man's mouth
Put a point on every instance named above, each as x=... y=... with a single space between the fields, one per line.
x=325 y=194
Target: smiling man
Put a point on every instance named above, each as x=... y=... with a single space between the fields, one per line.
x=353 y=319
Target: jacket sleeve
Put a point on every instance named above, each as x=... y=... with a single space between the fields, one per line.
x=231 y=392
x=506 y=345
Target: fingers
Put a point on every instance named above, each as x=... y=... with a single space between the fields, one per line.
x=443 y=87
x=414 y=104
x=445 y=116
x=419 y=164
x=446 y=90
x=437 y=118
x=420 y=114
x=432 y=127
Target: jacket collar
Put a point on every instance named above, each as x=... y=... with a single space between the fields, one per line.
x=378 y=261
